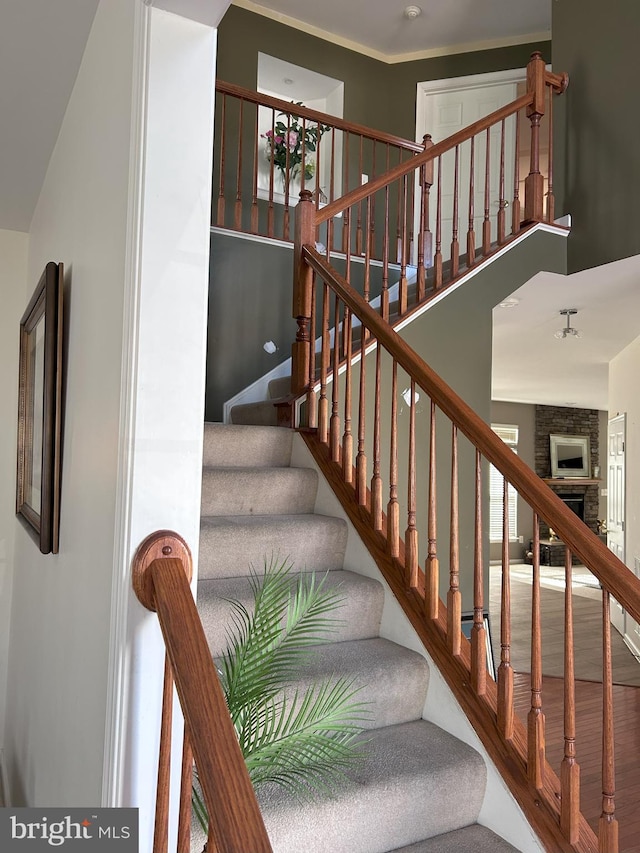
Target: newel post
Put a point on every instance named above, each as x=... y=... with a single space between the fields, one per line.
x=305 y=230
x=534 y=182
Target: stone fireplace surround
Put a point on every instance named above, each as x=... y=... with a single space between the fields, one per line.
x=560 y=420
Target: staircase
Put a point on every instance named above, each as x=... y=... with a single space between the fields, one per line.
x=419 y=789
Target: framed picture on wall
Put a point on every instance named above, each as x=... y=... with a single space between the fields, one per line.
x=40 y=411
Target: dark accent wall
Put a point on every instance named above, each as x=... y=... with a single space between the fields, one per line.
x=250 y=293
x=561 y=420
x=597 y=127
x=250 y=286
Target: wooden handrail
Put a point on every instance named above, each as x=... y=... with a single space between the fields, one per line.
x=315 y=115
x=609 y=570
x=161 y=584
x=426 y=156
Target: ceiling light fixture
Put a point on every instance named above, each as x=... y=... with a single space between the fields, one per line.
x=412 y=12
x=568 y=331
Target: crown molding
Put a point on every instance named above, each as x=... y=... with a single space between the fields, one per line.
x=389 y=58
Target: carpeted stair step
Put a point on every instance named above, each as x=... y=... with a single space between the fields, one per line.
x=415 y=781
x=278 y=388
x=262 y=412
x=227 y=445
x=357 y=618
x=470 y=839
x=229 y=545
x=258 y=491
x=382 y=670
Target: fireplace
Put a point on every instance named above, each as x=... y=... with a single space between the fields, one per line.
x=575 y=502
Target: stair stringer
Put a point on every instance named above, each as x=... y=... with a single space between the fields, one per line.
x=500 y=811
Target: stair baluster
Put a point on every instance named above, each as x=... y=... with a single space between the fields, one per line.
x=536 y=719
x=411 y=533
x=393 y=507
x=431 y=569
x=471 y=232
x=455 y=245
x=608 y=825
x=502 y=202
x=515 y=212
x=478 y=633
x=437 y=258
x=376 y=480
x=569 y=769
x=454 y=598
x=347 y=438
x=486 y=222
x=505 y=670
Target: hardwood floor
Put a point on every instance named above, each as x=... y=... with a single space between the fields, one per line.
x=588 y=644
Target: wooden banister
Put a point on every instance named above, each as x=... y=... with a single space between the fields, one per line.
x=427 y=156
x=161 y=582
x=315 y=116
x=622 y=584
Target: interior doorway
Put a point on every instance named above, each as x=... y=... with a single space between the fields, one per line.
x=443 y=107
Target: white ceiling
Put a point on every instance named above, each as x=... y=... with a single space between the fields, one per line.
x=530 y=365
x=381 y=29
x=41 y=46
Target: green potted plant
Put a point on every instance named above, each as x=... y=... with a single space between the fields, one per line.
x=306 y=742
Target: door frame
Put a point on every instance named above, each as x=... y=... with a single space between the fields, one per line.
x=618 y=616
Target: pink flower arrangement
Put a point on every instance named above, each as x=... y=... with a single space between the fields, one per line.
x=286 y=143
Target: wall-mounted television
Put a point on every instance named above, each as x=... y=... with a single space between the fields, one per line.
x=570 y=456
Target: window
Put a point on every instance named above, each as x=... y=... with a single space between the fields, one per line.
x=509 y=434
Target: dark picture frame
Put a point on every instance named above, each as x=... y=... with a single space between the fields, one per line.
x=40 y=411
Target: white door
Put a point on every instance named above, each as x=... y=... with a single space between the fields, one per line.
x=616 y=508
x=447 y=106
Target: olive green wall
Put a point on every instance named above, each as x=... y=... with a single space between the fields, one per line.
x=249 y=303
x=376 y=94
x=597 y=169
x=242 y=35
x=250 y=291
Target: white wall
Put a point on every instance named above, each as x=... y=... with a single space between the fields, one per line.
x=163 y=409
x=13 y=298
x=61 y=604
x=125 y=206
x=624 y=399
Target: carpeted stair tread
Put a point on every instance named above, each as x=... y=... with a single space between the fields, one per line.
x=229 y=545
x=470 y=839
x=262 y=412
x=238 y=445
x=403 y=791
x=382 y=670
x=280 y=387
x=258 y=491
x=358 y=617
